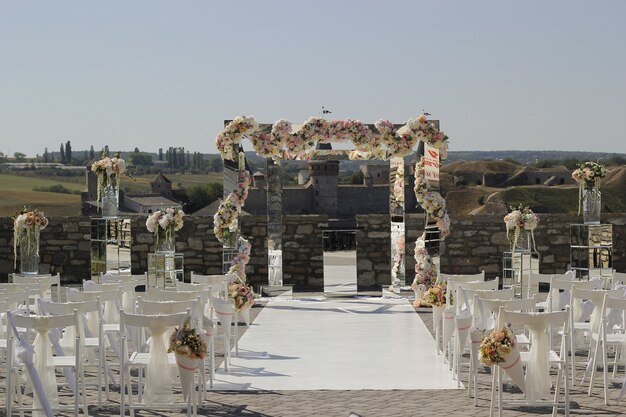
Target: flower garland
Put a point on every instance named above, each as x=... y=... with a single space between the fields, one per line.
x=398 y=186
x=225 y=220
x=588 y=175
x=399 y=255
x=520 y=219
x=241 y=259
x=165 y=222
x=431 y=201
x=108 y=170
x=26 y=225
x=319 y=130
x=228 y=140
x=495 y=347
x=425 y=268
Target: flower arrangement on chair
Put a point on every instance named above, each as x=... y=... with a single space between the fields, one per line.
x=164 y=224
x=26 y=227
x=521 y=218
x=435 y=295
x=189 y=348
x=500 y=348
x=241 y=295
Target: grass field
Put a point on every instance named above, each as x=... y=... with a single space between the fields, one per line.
x=17 y=191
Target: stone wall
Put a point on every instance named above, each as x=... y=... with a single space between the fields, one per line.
x=303 y=257
x=476 y=244
x=64 y=248
x=373 y=251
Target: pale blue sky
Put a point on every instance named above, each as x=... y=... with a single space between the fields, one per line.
x=498 y=74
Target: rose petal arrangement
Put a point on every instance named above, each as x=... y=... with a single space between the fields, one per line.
x=301 y=144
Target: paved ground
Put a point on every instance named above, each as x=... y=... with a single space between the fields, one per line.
x=400 y=403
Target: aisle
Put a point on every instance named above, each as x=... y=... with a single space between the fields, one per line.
x=378 y=344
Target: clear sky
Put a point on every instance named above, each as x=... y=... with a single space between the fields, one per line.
x=498 y=74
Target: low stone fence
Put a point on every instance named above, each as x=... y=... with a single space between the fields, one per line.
x=475 y=244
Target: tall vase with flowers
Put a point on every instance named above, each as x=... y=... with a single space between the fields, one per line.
x=26 y=227
x=109 y=171
x=588 y=175
x=520 y=226
x=164 y=224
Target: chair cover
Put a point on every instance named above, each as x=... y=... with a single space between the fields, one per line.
x=158 y=389
x=27 y=354
x=538 y=382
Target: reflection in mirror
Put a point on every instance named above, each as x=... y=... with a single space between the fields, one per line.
x=274 y=223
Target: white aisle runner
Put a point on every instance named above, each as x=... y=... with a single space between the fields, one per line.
x=377 y=344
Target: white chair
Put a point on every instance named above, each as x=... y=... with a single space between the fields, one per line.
x=46 y=282
x=608 y=336
x=560 y=291
x=532 y=289
x=31 y=290
x=218 y=283
x=126 y=286
x=45 y=362
x=156 y=392
x=619 y=278
x=225 y=311
x=539 y=360
x=89 y=343
x=487 y=310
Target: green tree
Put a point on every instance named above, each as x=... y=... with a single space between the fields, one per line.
x=160 y=154
x=46 y=156
x=19 y=156
x=204 y=194
x=140 y=159
x=68 y=152
x=62 y=151
x=92 y=153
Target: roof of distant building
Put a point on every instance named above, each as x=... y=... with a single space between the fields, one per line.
x=152 y=200
x=211 y=209
x=161 y=178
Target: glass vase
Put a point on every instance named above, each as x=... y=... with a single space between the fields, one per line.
x=29 y=253
x=165 y=241
x=109 y=200
x=592 y=205
x=524 y=242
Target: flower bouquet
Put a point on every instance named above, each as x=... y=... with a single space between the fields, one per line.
x=521 y=218
x=241 y=296
x=228 y=140
x=189 y=348
x=108 y=170
x=588 y=175
x=26 y=227
x=500 y=348
x=164 y=224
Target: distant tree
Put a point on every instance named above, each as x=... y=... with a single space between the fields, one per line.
x=62 y=151
x=85 y=156
x=215 y=163
x=187 y=160
x=92 y=153
x=160 y=154
x=3 y=157
x=136 y=150
x=204 y=194
x=174 y=158
x=19 y=156
x=140 y=159
x=105 y=151
x=46 y=156
x=68 y=152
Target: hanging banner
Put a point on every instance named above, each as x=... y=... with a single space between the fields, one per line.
x=431 y=166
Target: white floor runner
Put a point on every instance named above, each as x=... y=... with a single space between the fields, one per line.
x=378 y=344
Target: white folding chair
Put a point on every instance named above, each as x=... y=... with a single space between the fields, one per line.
x=32 y=291
x=618 y=278
x=46 y=282
x=486 y=310
x=156 y=391
x=225 y=312
x=539 y=360
x=89 y=343
x=218 y=283
x=609 y=335
x=45 y=362
x=585 y=315
x=532 y=289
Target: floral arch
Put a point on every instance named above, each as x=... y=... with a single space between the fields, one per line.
x=283 y=140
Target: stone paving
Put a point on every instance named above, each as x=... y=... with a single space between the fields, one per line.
x=399 y=403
